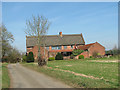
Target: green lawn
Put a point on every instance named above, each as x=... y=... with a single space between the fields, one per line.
x=108 y=71
x=5 y=76
x=105 y=58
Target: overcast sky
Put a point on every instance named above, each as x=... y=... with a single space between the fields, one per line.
x=96 y=21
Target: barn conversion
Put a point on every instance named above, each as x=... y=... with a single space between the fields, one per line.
x=65 y=44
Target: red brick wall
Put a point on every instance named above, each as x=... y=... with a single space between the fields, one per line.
x=68 y=47
x=85 y=54
x=35 y=52
x=62 y=47
x=66 y=57
x=52 y=54
x=50 y=47
x=96 y=48
x=93 y=48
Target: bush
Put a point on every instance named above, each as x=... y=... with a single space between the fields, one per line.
x=24 y=58
x=59 y=56
x=71 y=56
x=91 y=57
x=51 y=59
x=5 y=60
x=30 y=57
x=81 y=57
x=95 y=54
x=111 y=57
x=77 y=52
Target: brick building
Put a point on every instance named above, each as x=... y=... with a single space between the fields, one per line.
x=64 y=44
x=89 y=49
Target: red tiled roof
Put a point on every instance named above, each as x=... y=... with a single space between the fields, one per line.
x=84 y=47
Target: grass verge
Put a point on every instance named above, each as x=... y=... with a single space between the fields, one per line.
x=109 y=72
x=5 y=76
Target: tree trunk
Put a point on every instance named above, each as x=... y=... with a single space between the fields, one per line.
x=41 y=61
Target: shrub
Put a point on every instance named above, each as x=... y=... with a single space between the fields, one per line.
x=98 y=54
x=51 y=59
x=71 y=56
x=30 y=57
x=91 y=57
x=110 y=56
x=95 y=54
x=59 y=56
x=4 y=59
x=81 y=57
x=24 y=58
x=77 y=52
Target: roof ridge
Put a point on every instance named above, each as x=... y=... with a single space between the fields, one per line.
x=56 y=35
x=90 y=44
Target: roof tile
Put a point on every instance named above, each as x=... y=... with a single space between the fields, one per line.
x=54 y=40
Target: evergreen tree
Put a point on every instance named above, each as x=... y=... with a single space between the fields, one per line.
x=30 y=57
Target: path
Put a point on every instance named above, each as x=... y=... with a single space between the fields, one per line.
x=26 y=78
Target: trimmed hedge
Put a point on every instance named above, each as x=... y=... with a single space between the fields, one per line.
x=81 y=57
x=91 y=57
x=51 y=58
x=59 y=56
x=30 y=57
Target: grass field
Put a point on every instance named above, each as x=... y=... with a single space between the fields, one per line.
x=107 y=72
x=5 y=76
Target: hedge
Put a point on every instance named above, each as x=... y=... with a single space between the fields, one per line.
x=59 y=56
x=51 y=58
x=81 y=57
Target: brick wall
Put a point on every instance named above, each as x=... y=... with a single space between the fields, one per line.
x=35 y=52
x=85 y=54
x=52 y=54
x=96 y=48
x=93 y=48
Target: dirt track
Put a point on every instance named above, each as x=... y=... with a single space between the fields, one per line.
x=22 y=77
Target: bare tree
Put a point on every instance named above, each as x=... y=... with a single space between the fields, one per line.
x=7 y=38
x=115 y=47
x=38 y=26
x=115 y=50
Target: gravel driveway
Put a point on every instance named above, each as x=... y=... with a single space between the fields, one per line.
x=22 y=77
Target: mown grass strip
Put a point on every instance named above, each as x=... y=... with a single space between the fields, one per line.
x=109 y=71
x=73 y=80
x=5 y=76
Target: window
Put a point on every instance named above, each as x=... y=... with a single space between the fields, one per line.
x=65 y=47
x=59 y=47
x=56 y=47
x=47 y=48
x=71 y=46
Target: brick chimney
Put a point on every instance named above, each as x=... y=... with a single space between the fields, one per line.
x=60 y=33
